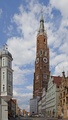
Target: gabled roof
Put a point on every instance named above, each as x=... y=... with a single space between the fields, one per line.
x=57 y=80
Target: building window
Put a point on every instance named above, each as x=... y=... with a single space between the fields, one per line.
x=9 y=63
x=3 y=75
x=38 y=41
x=9 y=88
x=3 y=88
x=9 y=76
x=45 y=53
x=41 y=52
x=3 y=61
x=37 y=77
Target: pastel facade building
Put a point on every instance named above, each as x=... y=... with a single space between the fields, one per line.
x=6 y=81
x=63 y=98
x=52 y=96
x=12 y=107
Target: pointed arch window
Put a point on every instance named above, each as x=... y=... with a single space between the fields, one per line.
x=41 y=52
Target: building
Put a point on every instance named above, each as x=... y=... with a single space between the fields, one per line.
x=63 y=99
x=24 y=112
x=40 y=106
x=42 y=103
x=52 y=96
x=41 y=74
x=34 y=106
x=12 y=107
x=6 y=81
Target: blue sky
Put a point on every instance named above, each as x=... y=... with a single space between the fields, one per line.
x=19 y=24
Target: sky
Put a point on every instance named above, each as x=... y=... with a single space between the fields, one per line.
x=19 y=24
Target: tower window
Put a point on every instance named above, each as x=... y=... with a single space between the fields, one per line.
x=37 y=77
x=38 y=41
x=9 y=76
x=9 y=63
x=44 y=40
x=3 y=75
x=45 y=53
x=41 y=52
x=3 y=88
x=3 y=62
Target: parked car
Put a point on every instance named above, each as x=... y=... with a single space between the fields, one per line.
x=41 y=115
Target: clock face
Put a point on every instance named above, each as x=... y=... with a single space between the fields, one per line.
x=45 y=59
x=37 y=60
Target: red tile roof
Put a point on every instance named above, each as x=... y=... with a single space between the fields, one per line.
x=57 y=80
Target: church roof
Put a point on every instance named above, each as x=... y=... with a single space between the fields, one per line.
x=57 y=80
x=41 y=28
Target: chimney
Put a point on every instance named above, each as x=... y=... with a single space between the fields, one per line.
x=63 y=74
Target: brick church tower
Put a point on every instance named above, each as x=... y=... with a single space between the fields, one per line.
x=41 y=75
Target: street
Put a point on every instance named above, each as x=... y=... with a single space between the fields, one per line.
x=36 y=118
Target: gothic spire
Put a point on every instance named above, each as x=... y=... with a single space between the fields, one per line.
x=41 y=29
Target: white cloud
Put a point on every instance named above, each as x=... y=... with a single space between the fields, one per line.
x=61 y=5
x=63 y=66
x=23 y=51
x=30 y=87
x=23 y=47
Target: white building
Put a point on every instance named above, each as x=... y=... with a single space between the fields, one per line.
x=6 y=81
x=43 y=102
x=52 y=95
x=34 y=106
x=40 y=106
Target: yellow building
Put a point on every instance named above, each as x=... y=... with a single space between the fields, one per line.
x=63 y=104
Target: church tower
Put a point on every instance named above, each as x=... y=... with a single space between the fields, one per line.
x=41 y=75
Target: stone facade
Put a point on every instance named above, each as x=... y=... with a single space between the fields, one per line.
x=63 y=103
